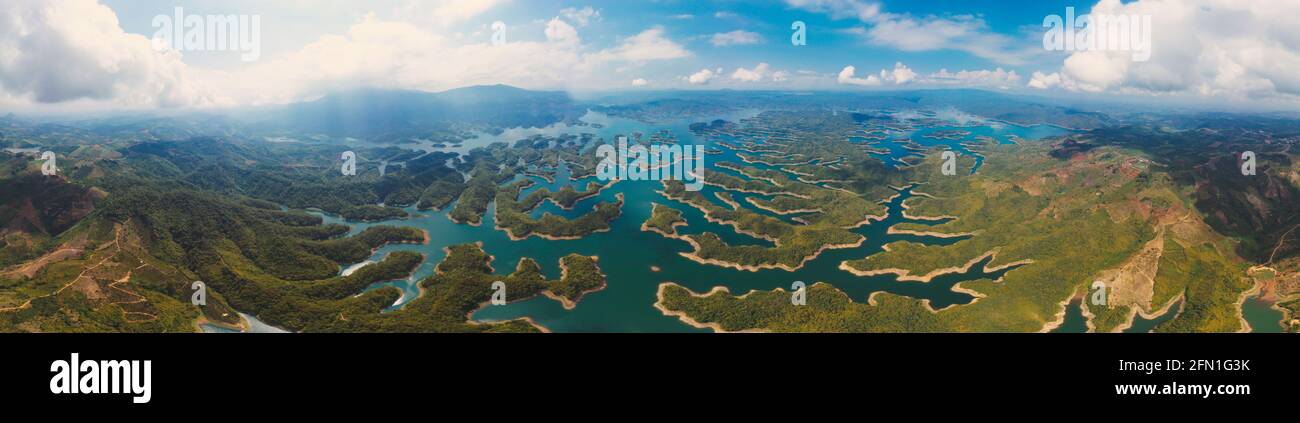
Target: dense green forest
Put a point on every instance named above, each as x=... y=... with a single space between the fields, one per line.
x=141 y=211
x=231 y=213
x=664 y=219
x=1018 y=207
x=513 y=214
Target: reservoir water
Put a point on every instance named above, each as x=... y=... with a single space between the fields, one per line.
x=1074 y=322
x=627 y=254
x=254 y=326
x=1261 y=315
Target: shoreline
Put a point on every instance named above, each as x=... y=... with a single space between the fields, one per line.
x=733 y=224
x=727 y=199
x=1241 y=306
x=1134 y=312
x=751 y=202
x=466 y=222
x=866 y=220
x=695 y=246
x=511 y=234
x=693 y=256
x=570 y=304
x=687 y=319
x=906 y=275
x=942 y=218
x=750 y=191
x=1255 y=291
x=895 y=231
x=525 y=319
x=645 y=226
x=1059 y=320
x=243 y=326
x=1276 y=299
x=599 y=190
x=469 y=316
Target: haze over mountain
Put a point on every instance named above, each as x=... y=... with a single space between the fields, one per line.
x=372 y=111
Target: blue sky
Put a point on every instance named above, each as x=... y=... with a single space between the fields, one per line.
x=76 y=54
x=290 y=26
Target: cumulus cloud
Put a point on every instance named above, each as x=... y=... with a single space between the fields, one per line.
x=75 y=50
x=391 y=54
x=847 y=77
x=1239 y=50
x=1045 y=81
x=900 y=75
x=703 y=77
x=582 y=17
x=751 y=75
x=737 y=37
x=640 y=82
x=561 y=32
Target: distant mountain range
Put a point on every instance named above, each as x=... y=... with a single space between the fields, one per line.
x=374 y=112
x=1021 y=110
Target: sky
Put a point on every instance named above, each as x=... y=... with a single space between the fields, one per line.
x=80 y=55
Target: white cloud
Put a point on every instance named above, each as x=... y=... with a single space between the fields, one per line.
x=1044 y=81
x=650 y=44
x=75 y=51
x=703 y=77
x=560 y=32
x=389 y=54
x=901 y=75
x=582 y=16
x=840 y=9
x=737 y=37
x=997 y=78
x=751 y=75
x=847 y=77
x=962 y=33
x=640 y=82
x=910 y=34
x=683 y=16
x=446 y=12
x=1238 y=50
x=780 y=76
x=968 y=33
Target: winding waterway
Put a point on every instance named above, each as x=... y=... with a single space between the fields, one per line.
x=627 y=254
x=1260 y=314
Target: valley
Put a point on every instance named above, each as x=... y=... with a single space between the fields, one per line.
x=854 y=204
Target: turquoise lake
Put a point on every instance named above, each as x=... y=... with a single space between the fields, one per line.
x=627 y=254
x=1260 y=314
